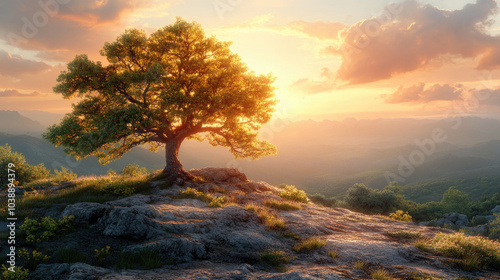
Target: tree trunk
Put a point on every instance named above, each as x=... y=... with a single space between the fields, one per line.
x=174 y=169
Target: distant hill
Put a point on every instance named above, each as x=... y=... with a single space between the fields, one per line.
x=46 y=119
x=14 y=123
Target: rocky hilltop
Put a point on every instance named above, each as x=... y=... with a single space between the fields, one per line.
x=224 y=226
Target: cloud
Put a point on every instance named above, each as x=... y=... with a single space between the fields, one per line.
x=60 y=26
x=310 y=86
x=15 y=65
x=15 y=93
x=419 y=94
x=410 y=35
x=318 y=29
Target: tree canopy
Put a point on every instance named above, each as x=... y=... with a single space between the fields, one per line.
x=161 y=89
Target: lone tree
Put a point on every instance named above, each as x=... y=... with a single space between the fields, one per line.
x=159 y=90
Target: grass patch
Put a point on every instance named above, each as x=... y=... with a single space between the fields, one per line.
x=360 y=265
x=289 y=234
x=471 y=252
x=309 y=244
x=211 y=200
x=332 y=254
x=381 y=274
x=275 y=258
x=404 y=234
x=423 y=245
x=269 y=218
x=282 y=205
x=146 y=258
x=71 y=255
x=292 y=193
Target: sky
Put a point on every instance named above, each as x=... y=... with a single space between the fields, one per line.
x=363 y=59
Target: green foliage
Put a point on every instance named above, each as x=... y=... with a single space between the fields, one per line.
x=31 y=261
x=64 y=175
x=133 y=169
x=212 y=201
x=456 y=201
x=366 y=200
x=275 y=258
x=495 y=227
x=71 y=255
x=332 y=254
x=309 y=244
x=322 y=200
x=473 y=252
x=292 y=193
x=19 y=273
x=46 y=228
x=399 y=215
x=381 y=274
x=282 y=205
x=154 y=90
x=101 y=255
x=144 y=258
x=24 y=172
x=360 y=264
x=218 y=201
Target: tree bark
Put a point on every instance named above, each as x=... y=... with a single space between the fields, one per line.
x=174 y=169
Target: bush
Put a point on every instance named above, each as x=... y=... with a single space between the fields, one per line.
x=292 y=193
x=19 y=273
x=218 y=201
x=323 y=200
x=24 y=172
x=64 y=175
x=46 y=228
x=474 y=252
x=31 y=261
x=309 y=244
x=401 y=216
x=366 y=200
x=133 y=169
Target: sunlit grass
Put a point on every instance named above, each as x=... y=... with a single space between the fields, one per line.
x=404 y=234
x=282 y=205
x=381 y=274
x=309 y=244
x=268 y=217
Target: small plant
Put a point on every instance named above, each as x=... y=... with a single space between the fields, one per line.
x=292 y=193
x=399 y=215
x=275 y=258
x=289 y=234
x=495 y=227
x=64 y=175
x=360 y=265
x=218 y=201
x=19 y=273
x=282 y=205
x=111 y=173
x=404 y=234
x=31 y=261
x=309 y=244
x=101 y=255
x=269 y=218
x=193 y=193
x=423 y=245
x=46 y=228
x=133 y=169
x=71 y=255
x=332 y=254
x=381 y=274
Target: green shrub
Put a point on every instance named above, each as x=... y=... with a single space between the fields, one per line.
x=366 y=200
x=46 y=228
x=64 y=175
x=193 y=193
x=133 y=169
x=218 y=201
x=282 y=205
x=31 y=261
x=275 y=258
x=71 y=255
x=292 y=193
x=269 y=218
x=101 y=255
x=145 y=258
x=323 y=200
x=24 y=172
x=401 y=216
x=309 y=244
x=19 y=273
x=473 y=252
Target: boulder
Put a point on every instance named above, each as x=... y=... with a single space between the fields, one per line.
x=453 y=219
x=85 y=213
x=220 y=175
x=130 y=222
x=496 y=209
x=64 y=271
